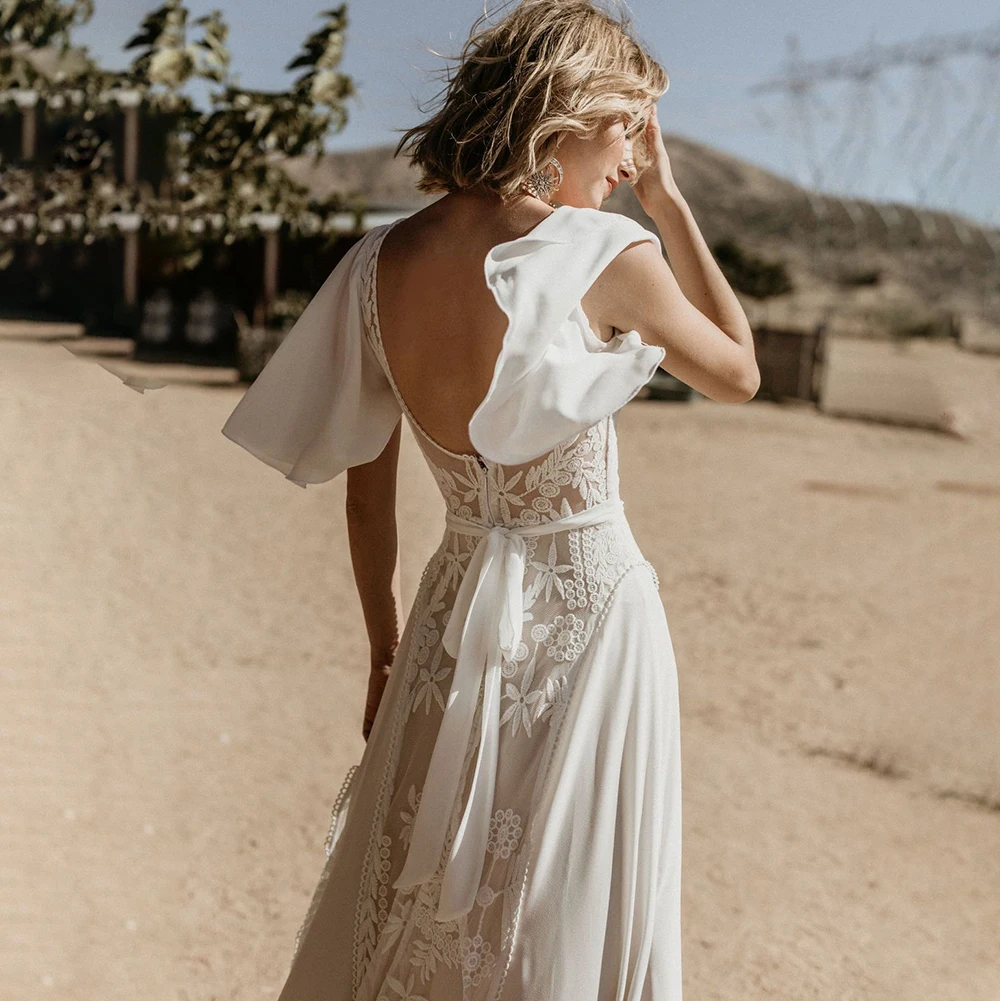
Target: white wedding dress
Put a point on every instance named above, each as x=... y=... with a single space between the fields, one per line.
x=513 y=829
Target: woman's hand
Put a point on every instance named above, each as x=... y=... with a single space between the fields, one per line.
x=656 y=182
x=377 y=678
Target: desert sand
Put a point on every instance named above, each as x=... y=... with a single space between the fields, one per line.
x=184 y=669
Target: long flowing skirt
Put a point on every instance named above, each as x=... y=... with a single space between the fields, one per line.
x=580 y=895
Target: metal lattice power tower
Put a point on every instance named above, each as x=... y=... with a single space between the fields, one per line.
x=903 y=160
x=936 y=167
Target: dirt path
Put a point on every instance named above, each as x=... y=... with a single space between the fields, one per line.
x=184 y=666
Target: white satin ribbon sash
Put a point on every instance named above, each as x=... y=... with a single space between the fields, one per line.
x=484 y=629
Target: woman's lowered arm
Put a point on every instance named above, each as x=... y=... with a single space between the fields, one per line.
x=371 y=527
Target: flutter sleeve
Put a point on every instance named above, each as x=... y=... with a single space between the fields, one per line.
x=554 y=377
x=322 y=403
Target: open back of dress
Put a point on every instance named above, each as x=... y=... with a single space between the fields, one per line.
x=512 y=831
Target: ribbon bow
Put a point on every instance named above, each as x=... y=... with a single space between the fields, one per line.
x=484 y=629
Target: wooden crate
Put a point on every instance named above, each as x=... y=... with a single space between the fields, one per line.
x=790 y=362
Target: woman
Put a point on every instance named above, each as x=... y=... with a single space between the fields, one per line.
x=513 y=828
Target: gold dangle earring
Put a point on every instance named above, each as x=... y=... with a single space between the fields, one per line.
x=544 y=183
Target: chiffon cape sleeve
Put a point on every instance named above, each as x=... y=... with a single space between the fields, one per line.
x=554 y=377
x=322 y=403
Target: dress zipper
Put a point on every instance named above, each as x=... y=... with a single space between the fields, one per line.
x=486 y=481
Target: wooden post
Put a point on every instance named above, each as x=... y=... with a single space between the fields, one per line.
x=27 y=101
x=129 y=101
x=269 y=223
x=270 y=266
x=131 y=277
x=129 y=223
x=131 y=145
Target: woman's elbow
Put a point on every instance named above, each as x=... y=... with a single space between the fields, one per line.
x=738 y=387
x=749 y=386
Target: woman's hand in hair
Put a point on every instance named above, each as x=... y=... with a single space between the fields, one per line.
x=656 y=183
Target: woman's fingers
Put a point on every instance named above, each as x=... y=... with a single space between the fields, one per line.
x=377 y=678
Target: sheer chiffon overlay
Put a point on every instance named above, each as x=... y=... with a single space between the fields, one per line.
x=512 y=831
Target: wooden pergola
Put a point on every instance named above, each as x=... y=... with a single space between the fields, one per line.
x=199 y=194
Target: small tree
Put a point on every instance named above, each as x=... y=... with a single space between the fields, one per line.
x=27 y=26
x=752 y=275
x=214 y=175
x=168 y=61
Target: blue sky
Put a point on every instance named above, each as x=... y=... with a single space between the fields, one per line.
x=712 y=50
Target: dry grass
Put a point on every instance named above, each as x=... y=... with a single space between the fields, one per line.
x=851 y=489
x=877 y=760
x=964 y=487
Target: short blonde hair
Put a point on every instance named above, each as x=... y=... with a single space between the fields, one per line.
x=550 y=66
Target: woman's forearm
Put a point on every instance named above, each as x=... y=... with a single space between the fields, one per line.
x=375 y=559
x=696 y=270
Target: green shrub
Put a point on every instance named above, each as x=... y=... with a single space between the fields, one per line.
x=856 y=278
x=750 y=274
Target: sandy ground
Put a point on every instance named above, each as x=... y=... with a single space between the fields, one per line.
x=183 y=671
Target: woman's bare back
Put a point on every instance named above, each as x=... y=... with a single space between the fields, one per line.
x=440 y=324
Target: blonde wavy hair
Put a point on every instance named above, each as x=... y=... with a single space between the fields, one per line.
x=549 y=67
